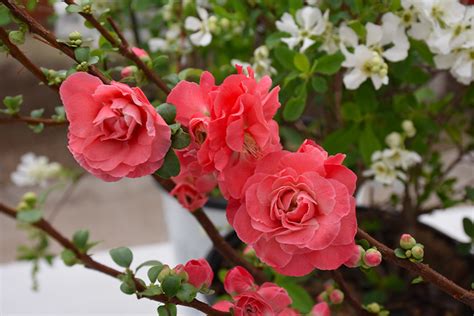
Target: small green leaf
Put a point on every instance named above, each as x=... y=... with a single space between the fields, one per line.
x=417 y=280
x=180 y=140
x=170 y=166
x=154 y=271
x=319 y=84
x=187 y=293
x=122 y=256
x=293 y=109
x=13 y=104
x=82 y=54
x=4 y=15
x=400 y=253
x=147 y=264
x=37 y=128
x=93 y=60
x=160 y=62
x=126 y=288
x=284 y=56
x=301 y=62
x=174 y=128
x=368 y=143
x=167 y=112
x=468 y=226
x=80 y=238
x=37 y=113
x=73 y=8
x=171 y=285
x=152 y=290
x=68 y=257
x=29 y=216
x=167 y=310
x=329 y=64
x=17 y=37
x=302 y=301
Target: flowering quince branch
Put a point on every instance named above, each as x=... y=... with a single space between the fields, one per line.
x=97 y=266
x=423 y=270
x=123 y=47
x=16 y=53
x=35 y=27
x=31 y=120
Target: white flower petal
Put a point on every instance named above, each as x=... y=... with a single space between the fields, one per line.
x=307 y=42
x=192 y=23
x=348 y=36
x=374 y=34
x=354 y=78
x=287 y=24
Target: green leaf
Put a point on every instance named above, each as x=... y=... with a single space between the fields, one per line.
x=368 y=143
x=301 y=62
x=417 y=280
x=29 y=216
x=187 y=293
x=167 y=310
x=302 y=301
x=189 y=72
x=160 y=62
x=37 y=113
x=174 y=128
x=319 y=84
x=180 y=140
x=171 y=285
x=122 y=256
x=126 y=288
x=93 y=60
x=13 y=104
x=17 y=37
x=366 y=99
x=4 y=15
x=351 y=112
x=329 y=64
x=152 y=290
x=68 y=257
x=170 y=166
x=284 y=56
x=82 y=54
x=468 y=226
x=80 y=238
x=73 y=8
x=167 y=112
x=37 y=128
x=400 y=253
x=293 y=109
x=154 y=271
x=147 y=264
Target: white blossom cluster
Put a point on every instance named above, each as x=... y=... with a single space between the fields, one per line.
x=391 y=164
x=35 y=170
x=262 y=63
x=446 y=26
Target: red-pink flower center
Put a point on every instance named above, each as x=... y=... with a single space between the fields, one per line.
x=118 y=120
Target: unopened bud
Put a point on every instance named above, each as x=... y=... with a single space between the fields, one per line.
x=409 y=128
x=22 y=206
x=408 y=253
x=356 y=259
x=407 y=241
x=75 y=36
x=418 y=252
x=336 y=296
x=128 y=71
x=30 y=198
x=373 y=308
x=393 y=140
x=372 y=257
x=323 y=297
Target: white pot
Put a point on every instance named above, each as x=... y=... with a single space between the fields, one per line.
x=185 y=234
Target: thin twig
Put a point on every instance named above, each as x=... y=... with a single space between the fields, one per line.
x=35 y=27
x=97 y=266
x=123 y=47
x=423 y=270
x=348 y=293
x=31 y=120
x=16 y=53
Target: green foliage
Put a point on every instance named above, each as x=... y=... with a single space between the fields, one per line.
x=167 y=310
x=170 y=167
x=4 y=15
x=171 y=285
x=329 y=64
x=154 y=271
x=12 y=104
x=186 y=293
x=122 y=256
x=302 y=301
x=30 y=216
x=68 y=257
x=180 y=139
x=167 y=112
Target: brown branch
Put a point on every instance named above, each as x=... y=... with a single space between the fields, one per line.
x=423 y=270
x=97 y=266
x=224 y=248
x=31 y=120
x=348 y=293
x=17 y=54
x=35 y=27
x=124 y=47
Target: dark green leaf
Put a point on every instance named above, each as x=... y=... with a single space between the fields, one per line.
x=122 y=256
x=68 y=257
x=29 y=216
x=80 y=238
x=293 y=109
x=127 y=288
x=180 y=140
x=468 y=226
x=301 y=62
x=351 y=112
x=329 y=64
x=171 y=285
x=167 y=112
x=400 y=253
x=302 y=301
x=4 y=15
x=368 y=143
x=284 y=56
x=160 y=61
x=319 y=84
x=170 y=166
x=82 y=54
x=154 y=271
x=186 y=293
x=147 y=264
x=167 y=310
x=152 y=290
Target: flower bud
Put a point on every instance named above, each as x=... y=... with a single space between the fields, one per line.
x=73 y=36
x=30 y=198
x=356 y=259
x=323 y=297
x=409 y=128
x=128 y=71
x=372 y=257
x=225 y=23
x=373 y=308
x=329 y=285
x=407 y=241
x=408 y=253
x=418 y=252
x=336 y=296
x=22 y=206
x=393 y=140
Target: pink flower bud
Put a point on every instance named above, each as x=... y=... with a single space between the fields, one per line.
x=336 y=296
x=407 y=241
x=239 y=280
x=418 y=252
x=141 y=53
x=323 y=297
x=372 y=257
x=199 y=272
x=356 y=259
x=321 y=309
x=128 y=71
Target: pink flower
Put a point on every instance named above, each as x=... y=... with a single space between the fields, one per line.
x=321 y=309
x=372 y=257
x=223 y=306
x=140 y=53
x=192 y=184
x=114 y=131
x=269 y=299
x=233 y=124
x=289 y=312
x=128 y=71
x=298 y=212
x=239 y=280
x=199 y=272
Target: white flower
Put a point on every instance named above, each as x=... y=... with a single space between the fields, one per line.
x=367 y=61
x=35 y=170
x=309 y=23
x=172 y=41
x=409 y=128
x=444 y=12
x=400 y=158
x=411 y=17
x=394 y=140
x=262 y=64
x=202 y=26
x=383 y=172
x=460 y=63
